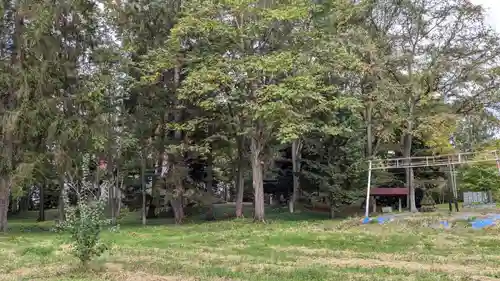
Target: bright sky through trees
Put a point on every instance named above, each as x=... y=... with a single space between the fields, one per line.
x=493 y=8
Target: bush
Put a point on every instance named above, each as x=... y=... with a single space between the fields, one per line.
x=84 y=222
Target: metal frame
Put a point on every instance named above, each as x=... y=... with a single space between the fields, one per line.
x=429 y=161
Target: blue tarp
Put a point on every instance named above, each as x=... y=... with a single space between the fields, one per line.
x=444 y=224
x=477 y=223
x=380 y=220
x=366 y=220
x=482 y=223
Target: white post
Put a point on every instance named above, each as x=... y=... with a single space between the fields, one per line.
x=367 y=209
x=454 y=177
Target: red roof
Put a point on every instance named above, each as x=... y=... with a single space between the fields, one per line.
x=389 y=191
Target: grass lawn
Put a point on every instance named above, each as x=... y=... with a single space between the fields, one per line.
x=288 y=247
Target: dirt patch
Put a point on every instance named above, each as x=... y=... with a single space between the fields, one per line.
x=37 y=272
x=472 y=273
x=318 y=251
x=114 y=267
x=449 y=268
x=459 y=258
x=143 y=276
x=140 y=235
x=483 y=278
x=446 y=242
x=23 y=271
x=65 y=248
x=451 y=264
x=408 y=261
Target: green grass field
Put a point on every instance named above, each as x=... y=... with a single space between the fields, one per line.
x=289 y=247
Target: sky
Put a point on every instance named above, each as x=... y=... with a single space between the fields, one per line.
x=493 y=9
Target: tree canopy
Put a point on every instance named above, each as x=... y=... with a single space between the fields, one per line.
x=178 y=101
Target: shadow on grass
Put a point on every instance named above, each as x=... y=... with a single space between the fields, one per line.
x=223 y=213
x=282 y=214
x=25 y=227
x=27 y=222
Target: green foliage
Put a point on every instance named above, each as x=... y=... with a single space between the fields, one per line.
x=335 y=164
x=40 y=251
x=280 y=86
x=479 y=177
x=84 y=223
x=200 y=78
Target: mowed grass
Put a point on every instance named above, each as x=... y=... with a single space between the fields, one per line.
x=289 y=247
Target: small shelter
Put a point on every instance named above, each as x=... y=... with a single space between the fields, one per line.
x=399 y=192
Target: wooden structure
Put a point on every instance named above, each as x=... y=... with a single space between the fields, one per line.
x=450 y=160
x=389 y=191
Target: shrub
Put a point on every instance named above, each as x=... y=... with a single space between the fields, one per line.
x=84 y=223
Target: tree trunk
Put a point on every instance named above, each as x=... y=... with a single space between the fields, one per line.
x=178 y=209
x=41 y=214
x=409 y=172
x=118 y=205
x=143 y=188
x=240 y=179
x=24 y=203
x=111 y=199
x=209 y=183
x=118 y=199
x=296 y=149
x=257 y=180
x=332 y=204
x=14 y=205
x=369 y=133
x=4 y=203
x=61 y=207
x=151 y=213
